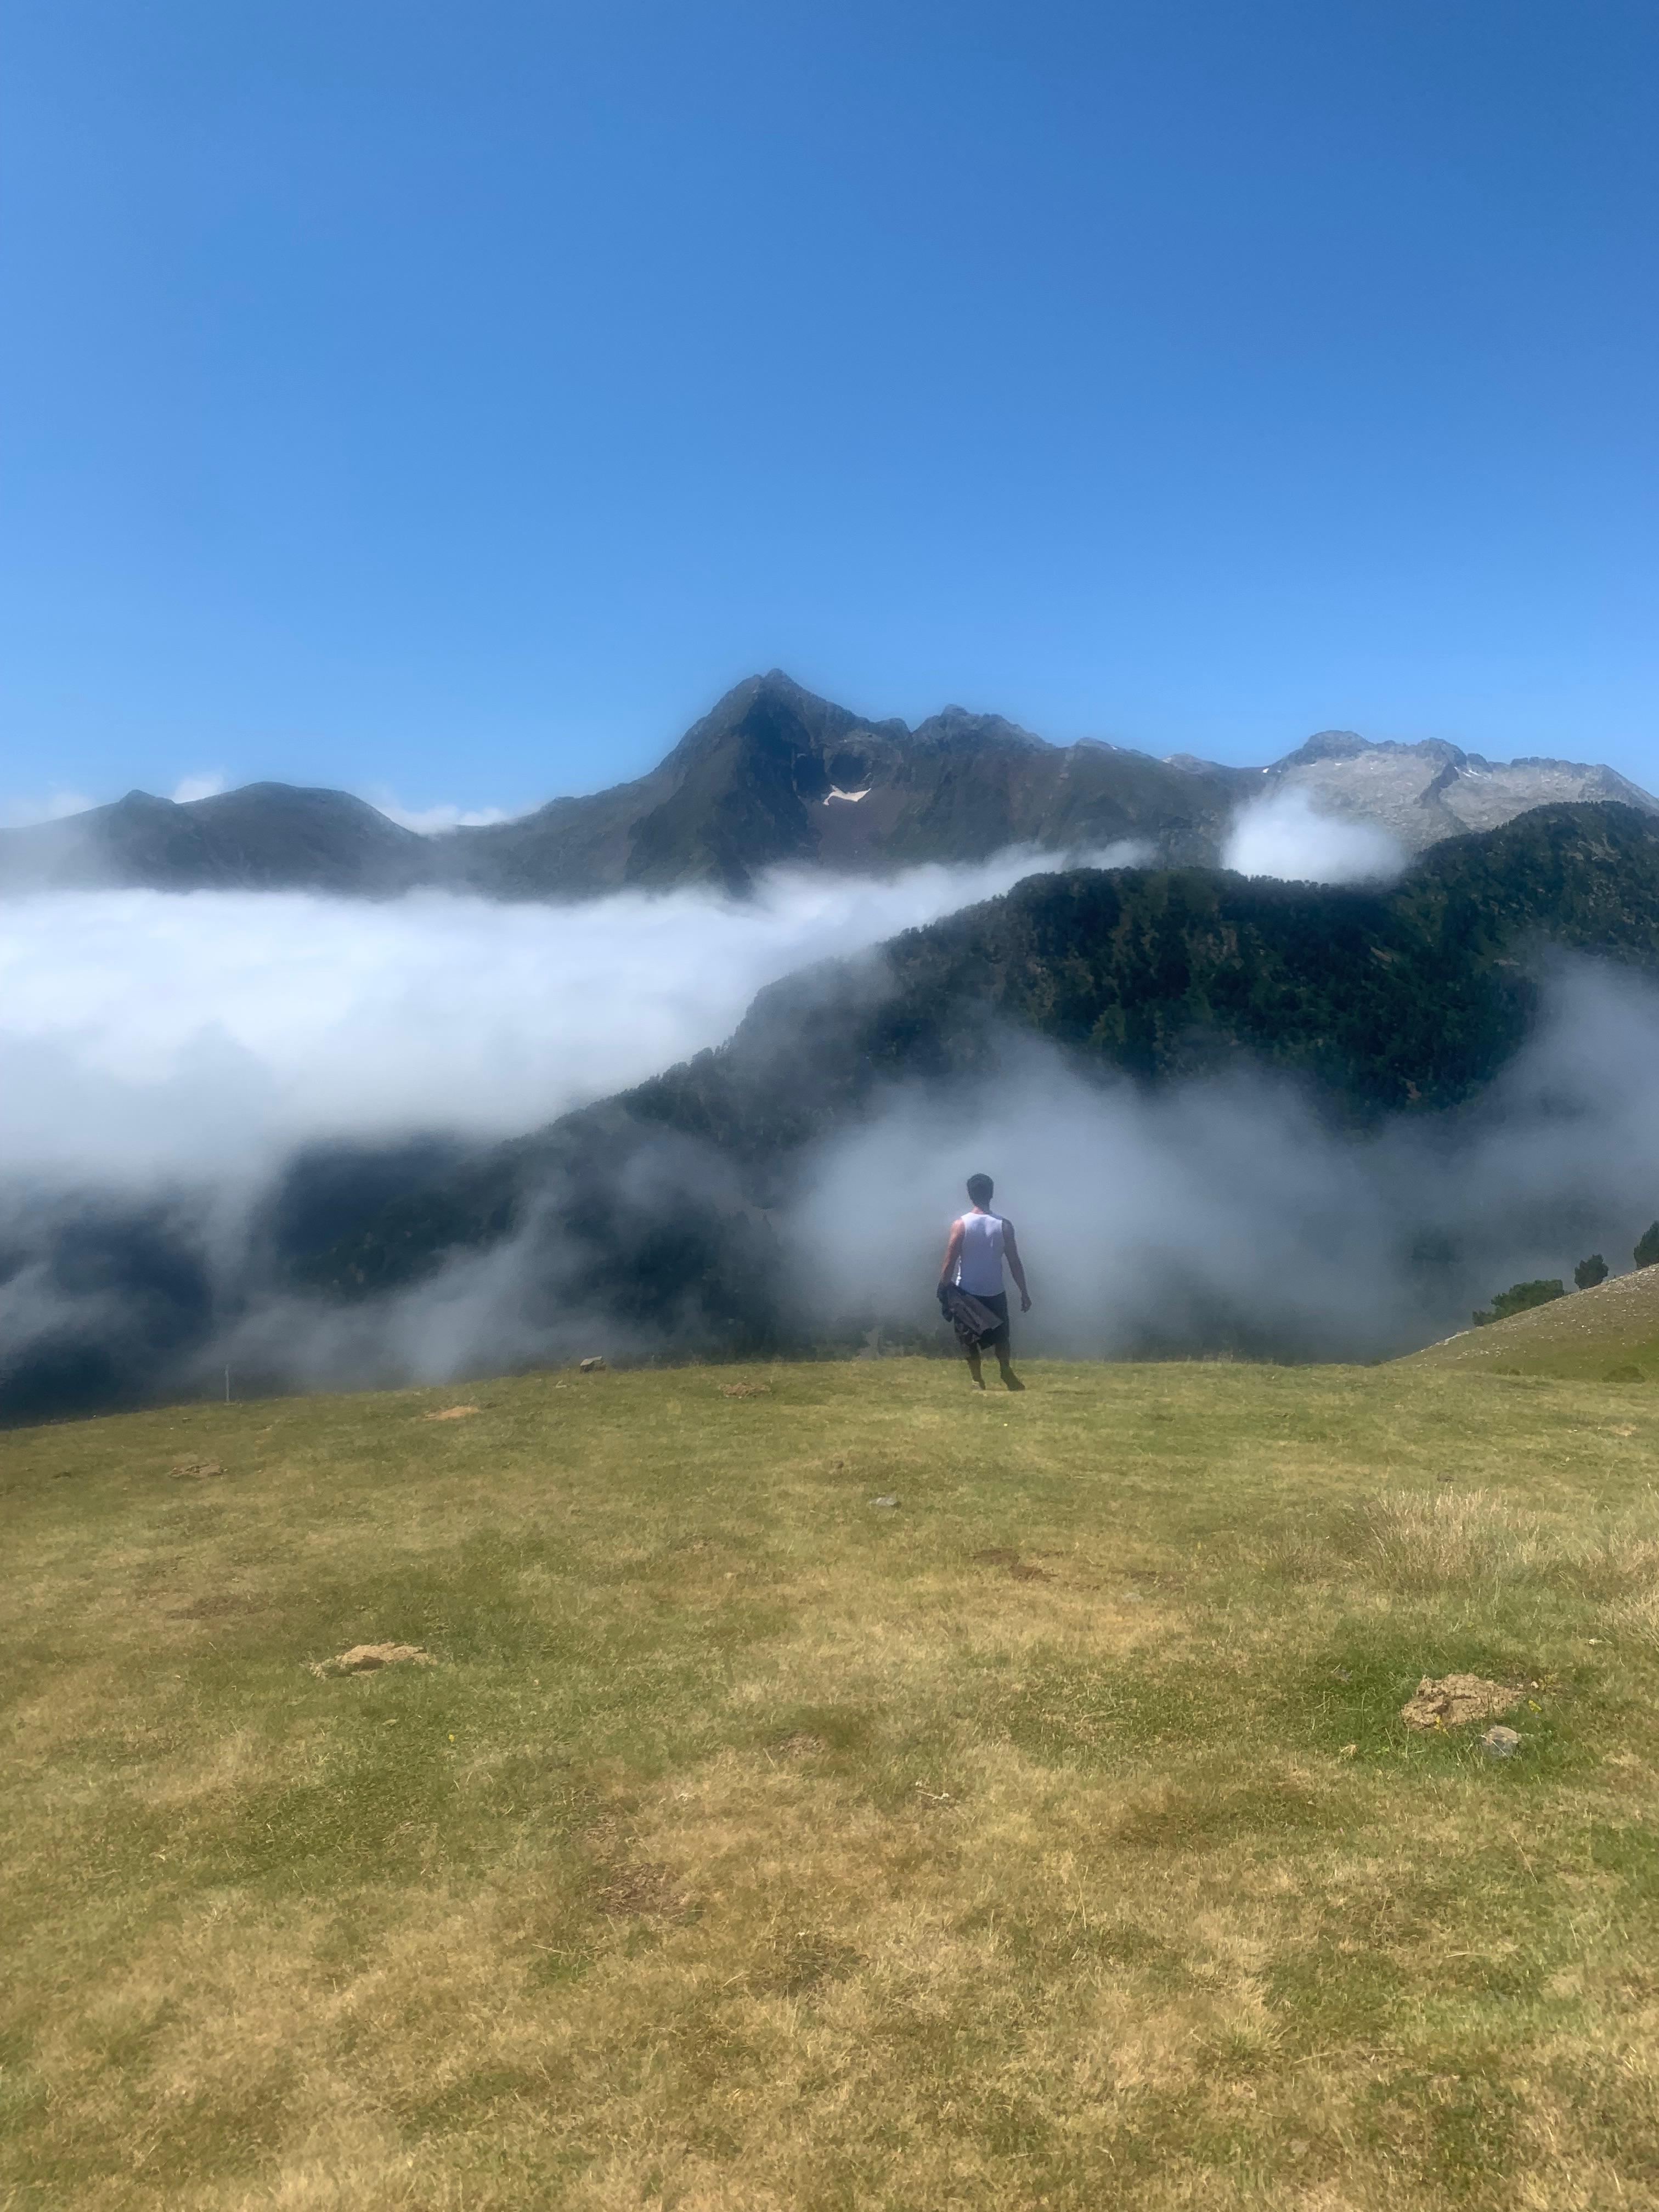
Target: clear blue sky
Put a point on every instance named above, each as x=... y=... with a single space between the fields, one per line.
x=455 y=397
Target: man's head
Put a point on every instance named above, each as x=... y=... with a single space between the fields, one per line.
x=980 y=1189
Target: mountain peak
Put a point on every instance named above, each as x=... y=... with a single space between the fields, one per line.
x=960 y=726
x=776 y=774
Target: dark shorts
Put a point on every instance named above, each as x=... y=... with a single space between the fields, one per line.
x=998 y=1305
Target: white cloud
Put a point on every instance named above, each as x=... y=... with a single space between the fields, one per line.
x=429 y=820
x=1149 y=1222
x=144 y=1033
x=24 y=813
x=1157 y=1219
x=189 y=787
x=1283 y=834
x=194 y=1041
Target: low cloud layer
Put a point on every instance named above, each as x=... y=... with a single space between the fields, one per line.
x=145 y=1035
x=1215 y=1216
x=1235 y=1211
x=1283 y=834
x=161 y=1059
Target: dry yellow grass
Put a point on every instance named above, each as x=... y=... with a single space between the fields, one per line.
x=1051 y=1838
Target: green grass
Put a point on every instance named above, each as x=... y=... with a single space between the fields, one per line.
x=1051 y=1839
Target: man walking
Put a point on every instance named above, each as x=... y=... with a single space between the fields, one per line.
x=970 y=1281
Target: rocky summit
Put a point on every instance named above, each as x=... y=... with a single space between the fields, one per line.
x=1422 y=792
x=775 y=775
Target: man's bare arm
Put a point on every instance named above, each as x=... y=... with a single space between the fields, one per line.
x=1011 y=1250
x=952 y=1253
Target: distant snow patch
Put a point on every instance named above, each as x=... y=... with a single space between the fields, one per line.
x=1283 y=834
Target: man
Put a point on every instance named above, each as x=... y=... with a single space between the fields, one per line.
x=972 y=1277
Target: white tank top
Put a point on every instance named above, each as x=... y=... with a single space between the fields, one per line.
x=979 y=1270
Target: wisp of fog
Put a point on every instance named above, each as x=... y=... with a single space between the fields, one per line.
x=1235 y=1211
x=1229 y=1214
x=1283 y=834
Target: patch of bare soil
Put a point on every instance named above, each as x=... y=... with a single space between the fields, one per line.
x=452 y=1413
x=999 y=1555
x=1454 y=1698
x=194 y=1469
x=745 y=1389
x=365 y=1658
x=641 y=1890
x=803 y=1744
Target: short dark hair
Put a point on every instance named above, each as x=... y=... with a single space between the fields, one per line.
x=980 y=1189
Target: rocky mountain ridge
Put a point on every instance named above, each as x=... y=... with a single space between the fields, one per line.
x=775 y=775
x=1425 y=792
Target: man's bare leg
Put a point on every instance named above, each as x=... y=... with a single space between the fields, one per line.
x=973 y=1369
x=1009 y=1379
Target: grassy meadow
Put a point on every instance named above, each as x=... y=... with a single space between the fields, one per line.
x=1047 y=1838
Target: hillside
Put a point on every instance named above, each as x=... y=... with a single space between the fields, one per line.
x=1609 y=1332
x=848 y=1793
x=775 y=775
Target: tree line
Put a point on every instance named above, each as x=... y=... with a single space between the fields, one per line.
x=1520 y=1298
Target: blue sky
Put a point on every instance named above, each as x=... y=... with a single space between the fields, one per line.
x=451 y=400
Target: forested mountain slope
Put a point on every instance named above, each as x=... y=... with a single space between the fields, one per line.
x=1387 y=1000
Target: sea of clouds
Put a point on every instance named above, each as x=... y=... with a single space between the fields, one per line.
x=158 y=1036
x=176 y=1052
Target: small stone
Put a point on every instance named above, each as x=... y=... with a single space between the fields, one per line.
x=884 y=1501
x=1455 y=1699
x=367 y=1658
x=1500 y=1743
x=589 y=1366
x=803 y=1744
